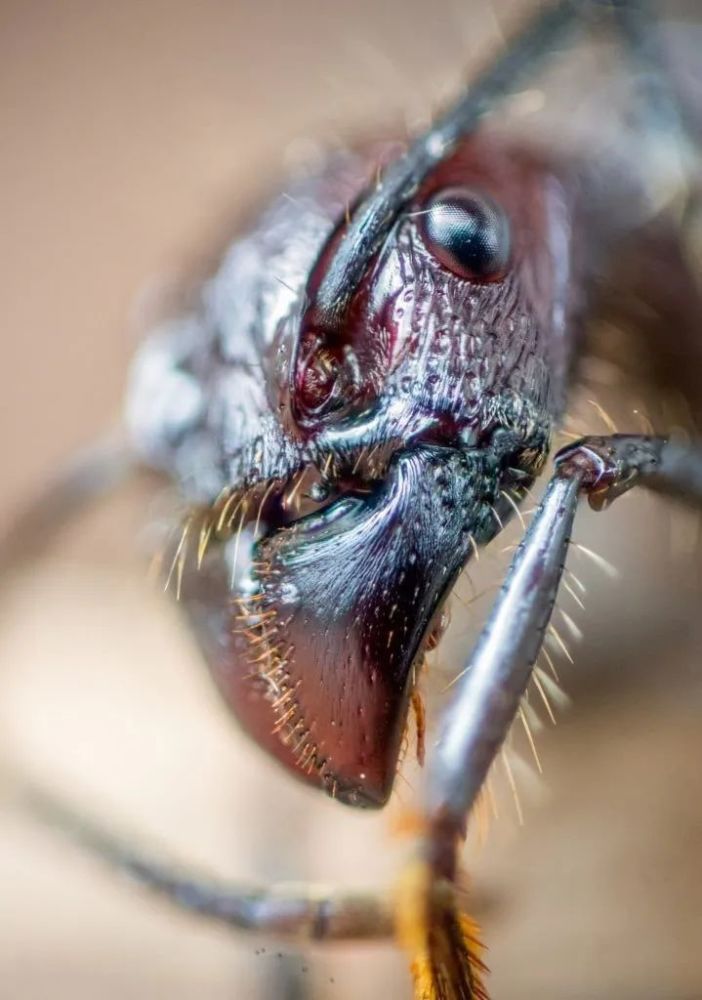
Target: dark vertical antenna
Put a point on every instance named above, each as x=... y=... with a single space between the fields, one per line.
x=375 y=214
x=662 y=108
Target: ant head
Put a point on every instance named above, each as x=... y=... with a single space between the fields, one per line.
x=459 y=313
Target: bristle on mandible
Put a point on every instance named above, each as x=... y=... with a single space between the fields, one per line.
x=443 y=943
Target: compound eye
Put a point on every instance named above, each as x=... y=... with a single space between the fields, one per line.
x=467 y=233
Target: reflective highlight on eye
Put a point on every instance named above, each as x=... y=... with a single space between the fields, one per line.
x=468 y=233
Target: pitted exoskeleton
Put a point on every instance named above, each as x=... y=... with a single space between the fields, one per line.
x=419 y=416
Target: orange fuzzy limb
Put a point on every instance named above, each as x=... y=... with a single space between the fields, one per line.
x=443 y=943
x=420 y=720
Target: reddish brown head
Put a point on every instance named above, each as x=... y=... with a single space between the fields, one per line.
x=375 y=367
x=405 y=416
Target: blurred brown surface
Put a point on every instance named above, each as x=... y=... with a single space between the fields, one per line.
x=131 y=133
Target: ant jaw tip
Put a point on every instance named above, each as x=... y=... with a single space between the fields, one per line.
x=368 y=792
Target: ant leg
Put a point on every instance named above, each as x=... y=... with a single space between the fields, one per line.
x=663 y=107
x=88 y=476
x=669 y=129
x=443 y=944
x=488 y=694
x=292 y=911
x=308 y=912
x=487 y=697
x=474 y=726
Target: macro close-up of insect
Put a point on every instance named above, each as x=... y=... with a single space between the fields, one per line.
x=363 y=472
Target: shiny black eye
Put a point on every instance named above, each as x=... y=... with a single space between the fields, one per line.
x=468 y=233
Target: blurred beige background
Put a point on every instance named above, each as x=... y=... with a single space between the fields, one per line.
x=132 y=133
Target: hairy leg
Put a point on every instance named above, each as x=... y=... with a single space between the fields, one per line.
x=487 y=698
x=475 y=723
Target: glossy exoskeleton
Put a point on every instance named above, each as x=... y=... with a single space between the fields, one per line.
x=359 y=399
x=438 y=392
x=373 y=442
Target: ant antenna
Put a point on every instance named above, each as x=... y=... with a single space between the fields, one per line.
x=375 y=214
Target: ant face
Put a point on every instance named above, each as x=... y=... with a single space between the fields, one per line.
x=432 y=396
